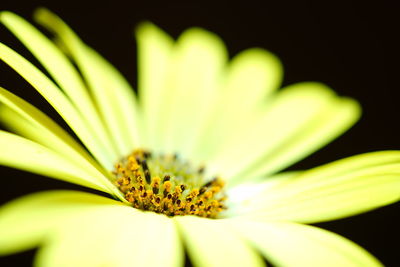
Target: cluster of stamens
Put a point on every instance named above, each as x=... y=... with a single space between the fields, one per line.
x=165 y=184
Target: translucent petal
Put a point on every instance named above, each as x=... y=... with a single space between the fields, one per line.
x=195 y=73
x=113 y=95
x=293 y=113
x=337 y=190
x=113 y=236
x=61 y=69
x=25 y=222
x=154 y=58
x=250 y=80
x=212 y=243
x=59 y=101
x=24 y=154
x=289 y=244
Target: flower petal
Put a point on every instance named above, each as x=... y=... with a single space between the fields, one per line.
x=113 y=236
x=337 y=190
x=329 y=124
x=25 y=222
x=154 y=58
x=195 y=72
x=31 y=123
x=123 y=101
x=290 y=244
x=59 y=101
x=113 y=95
x=251 y=79
x=24 y=154
x=240 y=197
x=213 y=243
x=60 y=68
x=48 y=132
x=253 y=75
x=290 y=118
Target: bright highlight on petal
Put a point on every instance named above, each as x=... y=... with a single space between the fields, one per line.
x=337 y=190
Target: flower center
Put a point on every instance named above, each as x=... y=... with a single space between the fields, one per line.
x=166 y=184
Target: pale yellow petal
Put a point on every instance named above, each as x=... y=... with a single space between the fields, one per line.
x=249 y=83
x=289 y=244
x=61 y=69
x=194 y=79
x=16 y=123
x=113 y=236
x=337 y=190
x=330 y=123
x=121 y=97
x=294 y=111
x=55 y=136
x=25 y=222
x=154 y=59
x=30 y=122
x=59 y=101
x=242 y=197
x=21 y=153
x=213 y=243
x=252 y=76
x=113 y=95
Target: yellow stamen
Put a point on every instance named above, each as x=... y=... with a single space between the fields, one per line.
x=183 y=190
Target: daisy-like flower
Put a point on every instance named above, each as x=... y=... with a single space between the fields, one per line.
x=190 y=163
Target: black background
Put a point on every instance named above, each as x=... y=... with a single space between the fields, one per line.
x=350 y=46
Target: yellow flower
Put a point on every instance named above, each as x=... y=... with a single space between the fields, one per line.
x=190 y=163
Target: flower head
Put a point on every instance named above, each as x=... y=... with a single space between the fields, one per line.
x=191 y=161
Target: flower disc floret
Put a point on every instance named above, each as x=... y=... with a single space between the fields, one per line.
x=166 y=184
